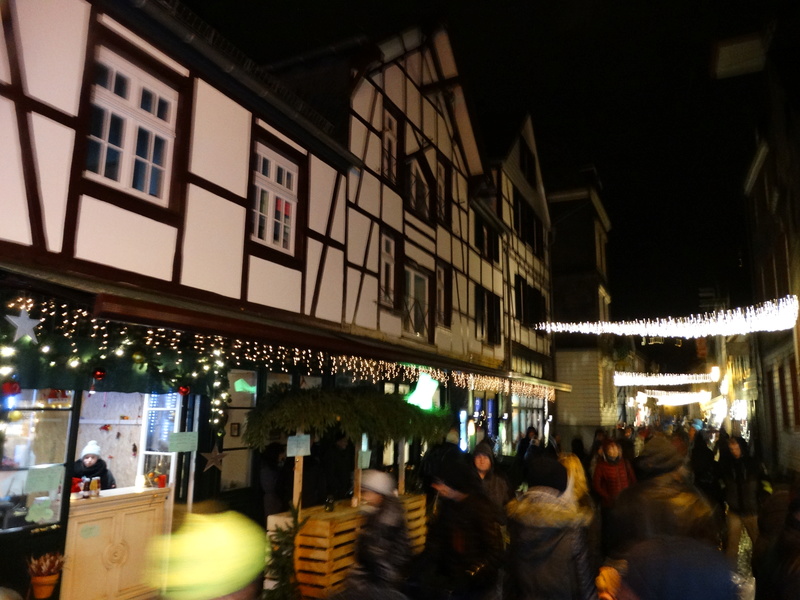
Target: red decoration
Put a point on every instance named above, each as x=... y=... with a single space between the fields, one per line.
x=11 y=388
x=99 y=374
x=184 y=390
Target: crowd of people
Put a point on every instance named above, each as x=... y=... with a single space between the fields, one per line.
x=642 y=515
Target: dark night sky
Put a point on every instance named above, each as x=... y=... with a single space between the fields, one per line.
x=624 y=85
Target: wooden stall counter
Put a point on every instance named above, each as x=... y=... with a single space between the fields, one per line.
x=106 y=544
x=324 y=549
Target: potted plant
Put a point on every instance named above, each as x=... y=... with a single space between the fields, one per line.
x=45 y=571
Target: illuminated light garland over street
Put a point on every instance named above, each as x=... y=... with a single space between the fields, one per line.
x=676 y=398
x=625 y=379
x=774 y=315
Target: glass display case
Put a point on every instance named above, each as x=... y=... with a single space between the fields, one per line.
x=34 y=431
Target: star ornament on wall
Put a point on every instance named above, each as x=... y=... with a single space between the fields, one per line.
x=213 y=458
x=24 y=325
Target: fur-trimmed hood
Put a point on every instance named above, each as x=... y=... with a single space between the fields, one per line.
x=544 y=508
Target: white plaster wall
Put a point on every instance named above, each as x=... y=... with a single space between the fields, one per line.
x=358 y=138
x=358 y=228
x=321 y=182
x=52 y=144
x=220 y=145
x=390 y=323
x=331 y=296
x=376 y=117
x=445 y=139
x=369 y=196
x=115 y=237
x=368 y=304
x=313 y=256
x=414 y=108
x=458 y=255
x=444 y=242
x=213 y=243
x=461 y=289
x=5 y=72
x=53 y=45
x=274 y=285
x=420 y=256
x=14 y=222
x=412 y=139
x=420 y=239
x=497 y=282
x=373 y=253
x=339 y=216
x=362 y=99
x=413 y=66
x=487 y=275
x=392 y=212
x=395 y=86
x=372 y=152
x=429 y=120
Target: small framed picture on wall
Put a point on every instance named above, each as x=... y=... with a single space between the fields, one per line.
x=235 y=430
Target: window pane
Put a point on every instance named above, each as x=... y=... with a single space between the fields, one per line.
x=147 y=100
x=93 y=156
x=289 y=180
x=163 y=110
x=279 y=175
x=163 y=401
x=139 y=175
x=264 y=166
x=159 y=144
x=121 y=85
x=155 y=181
x=98 y=117
x=160 y=423
x=143 y=143
x=112 y=164
x=115 y=128
x=261 y=227
x=263 y=205
x=101 y=75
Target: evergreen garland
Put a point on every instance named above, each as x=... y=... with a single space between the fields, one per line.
x=355 y=411
x=280 y=566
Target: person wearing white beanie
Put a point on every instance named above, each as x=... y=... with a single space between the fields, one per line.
x=91 y=465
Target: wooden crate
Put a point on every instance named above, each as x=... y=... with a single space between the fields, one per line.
x=325 y=547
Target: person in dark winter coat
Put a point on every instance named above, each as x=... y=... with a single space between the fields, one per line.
x=548 y=552
x=464 y=545
x=383 y=550
x=270 y=478
x=663 y=502
x=91 y=465
x=778 y=577
x=494 y=486
x=668 y=568
x=741 y=478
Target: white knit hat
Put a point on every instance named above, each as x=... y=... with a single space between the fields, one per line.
x=378 y=481
x=91 y=448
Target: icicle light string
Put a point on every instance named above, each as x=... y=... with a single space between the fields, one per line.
x=774 y=315
x=192 y=354
x=625 y=379
x=677 y=398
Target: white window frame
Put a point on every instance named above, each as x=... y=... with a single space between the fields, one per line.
x=416 y=321
x=275 y=202
x=420 y=193
x=148 y=413
x=389 y=149
x=388 y=256
x=441 y=305
x=134 y=120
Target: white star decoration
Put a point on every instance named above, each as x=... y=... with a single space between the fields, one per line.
x=25 y=326
x=213 y=458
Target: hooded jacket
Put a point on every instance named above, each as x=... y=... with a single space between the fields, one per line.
x=548 y=553
x=494 y=486
x=98 y=469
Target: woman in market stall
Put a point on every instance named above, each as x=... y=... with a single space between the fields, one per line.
x=91 y=465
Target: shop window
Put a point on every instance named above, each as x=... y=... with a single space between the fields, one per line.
x=132 y=128
x=161 y=416
x=275 y=200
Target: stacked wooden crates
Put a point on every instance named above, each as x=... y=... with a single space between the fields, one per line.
x=325 y=547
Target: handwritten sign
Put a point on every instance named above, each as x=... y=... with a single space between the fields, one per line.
x=44 y=478
x=183 y=441
x=364 y=458
x=298 y=445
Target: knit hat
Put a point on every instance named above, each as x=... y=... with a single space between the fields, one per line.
x=210 y=556
x=658 y=456
x=91 y=448
x=543 y=471
x=378 y=482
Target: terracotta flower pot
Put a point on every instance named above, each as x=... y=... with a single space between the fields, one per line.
x=43 y=585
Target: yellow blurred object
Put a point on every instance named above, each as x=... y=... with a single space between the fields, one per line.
x=608 y=582
x=14 y=415
x=211 y=555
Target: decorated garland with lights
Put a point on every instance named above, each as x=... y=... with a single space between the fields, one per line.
x=626 y=379
x=775 y=315
x=354 y=411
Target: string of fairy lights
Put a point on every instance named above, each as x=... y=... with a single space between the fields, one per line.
x=630 y=379
x=774 y=315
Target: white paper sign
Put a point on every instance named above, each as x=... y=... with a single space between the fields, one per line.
x=298 y=445
x=364 y=458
